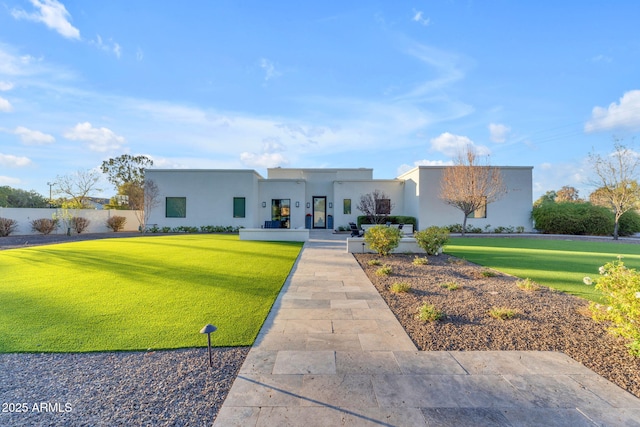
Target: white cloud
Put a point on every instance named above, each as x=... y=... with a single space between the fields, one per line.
x=625 y=114
x=419 y=18
x=107 y=46
x=51 y=13
x=7 y=180
x=33 y=137
x=99 y=139
x=452 y=145
x=13 y=161
x=424 y=162
x=545 y=166
x=601 y=58
x=269 y=68
x=5 y=106
x=5 y=86
x=498 y=133
x=139 y=55
x=263 y=160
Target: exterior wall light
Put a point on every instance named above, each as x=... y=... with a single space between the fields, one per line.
x=308 y=205
x=330 y=205
x=264 y=204
x=297 y=204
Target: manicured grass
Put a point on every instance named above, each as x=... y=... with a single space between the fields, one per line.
x=559 y=264
x=139 y=293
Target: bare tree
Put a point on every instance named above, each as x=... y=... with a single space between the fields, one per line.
x=78 y=186
x=615 y=177
x=376 y=206
x=144 y=205
x=469 y=185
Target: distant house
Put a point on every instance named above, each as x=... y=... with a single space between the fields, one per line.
x=322 y=198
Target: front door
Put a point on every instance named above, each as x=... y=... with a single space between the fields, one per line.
x=319 y=212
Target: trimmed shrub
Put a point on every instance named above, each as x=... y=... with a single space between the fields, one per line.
x=629 y=223
x=457 y=228
x=393 y=219
x=44 y=225
x=382 y=239
x=432 y=239
x=79 y=224
x=116 y=223
x=573 y=218
x=7 y=226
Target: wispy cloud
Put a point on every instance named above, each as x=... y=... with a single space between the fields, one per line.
x=33 y=137
x=5 y=86
x=270 y=71
x=498 y=133
x=451 y=145
x=418 y=17
x=107 y=46
x=424 y=162
x=51 y=13
x=602 y=58
x=622 y=115
x=98 y=139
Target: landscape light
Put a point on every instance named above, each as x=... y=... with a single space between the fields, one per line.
x=208 y=328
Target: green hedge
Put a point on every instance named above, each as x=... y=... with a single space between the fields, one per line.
x=393 y=219
x=582 y=219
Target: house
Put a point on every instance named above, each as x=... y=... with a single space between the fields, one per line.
x=322 y=198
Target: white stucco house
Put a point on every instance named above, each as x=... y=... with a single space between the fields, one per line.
x=322 y=198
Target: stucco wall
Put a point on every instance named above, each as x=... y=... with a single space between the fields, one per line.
x=353 y=190
x=209 y=195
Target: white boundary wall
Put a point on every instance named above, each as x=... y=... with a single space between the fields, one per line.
x=97 y=218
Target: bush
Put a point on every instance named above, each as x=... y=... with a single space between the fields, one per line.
x=503 y=313
x=420 y=260
x=621 y=289
x=116 y=223
x=457 y=228
x=400 y=287
x=573 y=218
x=79 y=224
x=7 y=226
x=629 y=223
x=385 y=270
x=429 y=313
x=44 y=225
x=432 y=239
x=393 y=219
x=383 y=239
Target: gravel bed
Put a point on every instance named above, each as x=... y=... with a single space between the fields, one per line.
x=175 y=387
x=547 y=320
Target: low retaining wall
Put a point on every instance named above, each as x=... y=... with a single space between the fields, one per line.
x=275 y=234
x=407 y=229
x=97 y=219
x=408 y=245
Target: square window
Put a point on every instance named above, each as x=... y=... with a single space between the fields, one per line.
x=176 y=207
x=239 y=207
x=383 y=207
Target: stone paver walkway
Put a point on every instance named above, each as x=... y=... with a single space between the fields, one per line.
x=332 y=353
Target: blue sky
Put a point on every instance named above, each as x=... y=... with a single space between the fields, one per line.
x=386 y=85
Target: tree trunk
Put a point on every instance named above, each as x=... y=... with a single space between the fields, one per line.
x=464 y=225
x=615 y=229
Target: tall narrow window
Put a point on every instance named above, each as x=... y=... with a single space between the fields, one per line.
x=239 y=207
x=176 y=207
x=346 y=206
x=479 y=213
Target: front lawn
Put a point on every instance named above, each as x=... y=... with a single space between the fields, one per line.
x=559 y=264
x=139 y=293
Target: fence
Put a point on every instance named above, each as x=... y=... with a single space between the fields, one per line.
x=97 y=219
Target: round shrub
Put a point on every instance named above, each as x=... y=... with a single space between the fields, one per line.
x=432 y=239
x=383 y=239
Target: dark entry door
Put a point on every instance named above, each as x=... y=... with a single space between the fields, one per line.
x=319 y=212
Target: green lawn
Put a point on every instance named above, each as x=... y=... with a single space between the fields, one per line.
x=559 y=264
x=139 y=293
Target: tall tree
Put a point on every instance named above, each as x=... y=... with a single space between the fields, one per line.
x=78 y=186
x=548 y=197
x=145 y=204
x=126 y=169
x=616 y=181
x=567 y=194
x=470 y=185
x=16 y=198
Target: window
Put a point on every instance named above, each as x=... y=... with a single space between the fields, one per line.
x=383 y=206
x=479 y=213
x=346 y=206
x=239 y=204
x=281 y=211
x=176 y=207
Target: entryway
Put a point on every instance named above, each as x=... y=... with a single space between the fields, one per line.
x=319 y=212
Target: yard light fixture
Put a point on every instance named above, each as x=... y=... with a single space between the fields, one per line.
x=208 y=328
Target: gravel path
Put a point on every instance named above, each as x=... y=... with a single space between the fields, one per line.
x=547 y=321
